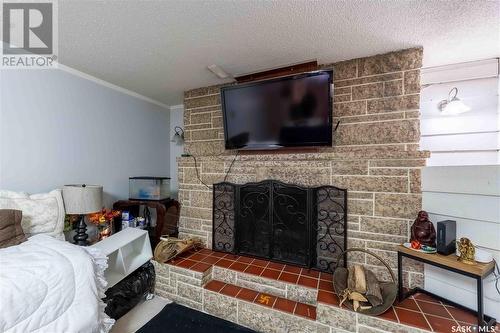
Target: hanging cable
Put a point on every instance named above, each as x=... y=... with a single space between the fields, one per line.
x=496 y=279
x=497 y=276
x=198 y=172
x=231 y=165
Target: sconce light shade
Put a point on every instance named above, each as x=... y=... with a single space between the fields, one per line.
x=453 y=105
x=178 y=137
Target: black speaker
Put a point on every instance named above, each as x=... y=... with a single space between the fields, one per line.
x=446 y=237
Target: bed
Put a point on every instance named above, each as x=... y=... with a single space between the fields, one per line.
x=48 y=284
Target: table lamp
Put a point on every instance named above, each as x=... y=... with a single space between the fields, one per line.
x=81 y=199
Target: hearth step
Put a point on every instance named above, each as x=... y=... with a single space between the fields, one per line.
x=293 y=289
x=278 y=303
x=286 y=281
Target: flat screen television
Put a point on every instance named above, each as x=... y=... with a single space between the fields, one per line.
x=292 y=111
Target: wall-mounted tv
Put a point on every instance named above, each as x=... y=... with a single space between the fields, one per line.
x=292 y=111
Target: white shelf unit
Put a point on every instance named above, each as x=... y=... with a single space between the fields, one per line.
x=127 y=250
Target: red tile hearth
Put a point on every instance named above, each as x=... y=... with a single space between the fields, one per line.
x=327 y=297
x=408 y=304
x=263 y=299
x=308 y=282
x=255 y=270
x=420 y=310
x=390 y=315
x=270 y=274
x=238 y=266
x=288 y=277
x=433 y=309
x=215 y=285
x=305 y=310
x=230 y=290
x=412 y=318
x=439 y=324
x=462 y=316
x=247 y=295
x=202 y=260
x=285 y=305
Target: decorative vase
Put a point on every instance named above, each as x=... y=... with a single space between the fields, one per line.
x=104 y=231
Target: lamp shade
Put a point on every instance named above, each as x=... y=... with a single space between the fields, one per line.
x=82 y=199
x=452 y=105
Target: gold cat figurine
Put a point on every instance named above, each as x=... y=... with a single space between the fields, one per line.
x=467 y=251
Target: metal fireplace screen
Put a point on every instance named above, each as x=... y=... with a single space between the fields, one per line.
x=282 y=222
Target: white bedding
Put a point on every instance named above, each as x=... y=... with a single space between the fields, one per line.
x=48 y=285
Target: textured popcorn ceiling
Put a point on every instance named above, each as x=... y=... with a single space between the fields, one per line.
x=161 y=48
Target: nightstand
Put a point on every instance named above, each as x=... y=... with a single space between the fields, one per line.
x=167 y=215
x=127 y=250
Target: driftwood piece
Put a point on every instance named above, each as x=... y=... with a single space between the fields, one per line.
x=169 y=248
x=356 y=280
x=351 y=281
x=358 y=300
x=373 y=293
x=388 y=290
x=360 y=279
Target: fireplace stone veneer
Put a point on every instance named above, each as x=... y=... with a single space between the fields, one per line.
x=303 y=226
x=375 y=156
x=383 y=195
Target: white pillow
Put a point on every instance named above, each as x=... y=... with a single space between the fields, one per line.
x=42 y=213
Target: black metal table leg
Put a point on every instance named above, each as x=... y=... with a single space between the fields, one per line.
x=400 y=277
x=480 y=318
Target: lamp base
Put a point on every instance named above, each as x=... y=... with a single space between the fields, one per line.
x=81 y=233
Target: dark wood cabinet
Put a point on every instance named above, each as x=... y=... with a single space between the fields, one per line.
x=167 y=216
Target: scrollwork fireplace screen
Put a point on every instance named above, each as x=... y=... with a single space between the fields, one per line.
x=282 y=222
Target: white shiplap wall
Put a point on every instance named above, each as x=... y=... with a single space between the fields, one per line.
x=462 y=179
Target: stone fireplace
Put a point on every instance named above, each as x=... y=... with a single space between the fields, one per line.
x=297 y=225
x=375 y=157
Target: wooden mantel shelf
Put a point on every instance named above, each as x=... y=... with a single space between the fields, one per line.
x=477 y=269
x=307 y=156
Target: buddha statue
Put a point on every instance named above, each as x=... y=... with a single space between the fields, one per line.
x=423 y=230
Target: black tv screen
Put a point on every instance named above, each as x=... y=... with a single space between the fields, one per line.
x=294 y=111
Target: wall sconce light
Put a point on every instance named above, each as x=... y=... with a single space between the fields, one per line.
x=452 y=105
x=178 y=136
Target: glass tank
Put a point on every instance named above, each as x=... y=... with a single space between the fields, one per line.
x=149 y=188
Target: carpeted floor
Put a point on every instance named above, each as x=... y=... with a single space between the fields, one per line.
x=175 y=318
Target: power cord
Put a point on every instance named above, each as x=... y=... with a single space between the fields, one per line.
x=231 y=165
x=336 y=126
x=496 y=279
x=497 y=276
x=198 y=173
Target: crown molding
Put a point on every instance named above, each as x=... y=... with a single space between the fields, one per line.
x=177 y=107
x=107 y=84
